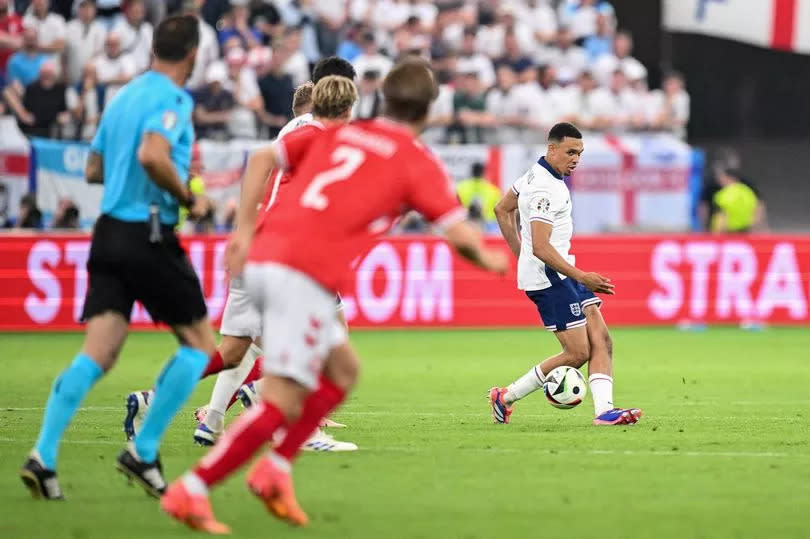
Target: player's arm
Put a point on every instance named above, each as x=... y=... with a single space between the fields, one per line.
x=506 y=213
x=542 y=249
x=94 y=170
x=259 y=166
x=466 y=239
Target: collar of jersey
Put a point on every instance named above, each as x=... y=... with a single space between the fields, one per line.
x=543 y=163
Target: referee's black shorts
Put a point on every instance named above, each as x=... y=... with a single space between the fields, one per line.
x=124 y=267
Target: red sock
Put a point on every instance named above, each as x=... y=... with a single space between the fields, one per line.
x=254 y=374
x=241 y=440
x=318 y=405
x=215 y=365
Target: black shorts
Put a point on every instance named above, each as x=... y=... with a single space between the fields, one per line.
x=124 y=267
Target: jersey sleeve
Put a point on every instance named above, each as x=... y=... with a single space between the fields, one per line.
x=291 y=149
x=543 y=203
x=432 y=192
x=170 y=120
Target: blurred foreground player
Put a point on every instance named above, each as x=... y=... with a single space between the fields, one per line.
x=349 y=184
x=562 y=292
x=141 y=154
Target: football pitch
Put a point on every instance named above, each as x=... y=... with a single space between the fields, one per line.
x=723 y=449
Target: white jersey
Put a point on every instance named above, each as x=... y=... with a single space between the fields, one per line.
x=292 y=125
x=542 y=196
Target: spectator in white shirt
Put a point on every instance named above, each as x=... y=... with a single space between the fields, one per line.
x=208 y=49
x=532 y=106
x=604 y=66
x=583 y=20
x=503 y=103
x=113 y=67
x=611 y=106
x=136 y=34
x=51 y=27
x=566 y=54
x=427 y=13
x=372 y=59
x=296 y=65
x=470 y=60
x=85 y=40
x=539 y=17
x=673 y=106
x=489 y=39
x=389 y=15
x=242 y=83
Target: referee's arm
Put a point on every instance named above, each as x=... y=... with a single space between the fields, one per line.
x=94 y=170
x=154 y=154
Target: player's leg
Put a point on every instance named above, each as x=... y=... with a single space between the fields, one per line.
x=104 y=338
x=600 y=371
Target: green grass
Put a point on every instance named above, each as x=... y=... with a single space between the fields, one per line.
x=722 y=451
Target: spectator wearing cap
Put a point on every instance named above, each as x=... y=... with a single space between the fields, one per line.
x=207 y=50
x=567 y=54
x=136 y=34
x=84 y=41
x=52 y=29
x=236 y=23
x=113 y=68
x=469 y=59
x=621 y=58
x=43 y=104
x=372 y=59
x=214 y=105
x=11 y=31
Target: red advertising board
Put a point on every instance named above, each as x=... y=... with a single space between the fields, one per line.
x=420 y=282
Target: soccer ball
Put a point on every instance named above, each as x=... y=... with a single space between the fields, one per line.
x=565 y=387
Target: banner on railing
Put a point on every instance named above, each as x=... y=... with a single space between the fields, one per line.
x=420 y=282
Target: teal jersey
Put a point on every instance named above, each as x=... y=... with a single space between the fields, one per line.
x=151 y=103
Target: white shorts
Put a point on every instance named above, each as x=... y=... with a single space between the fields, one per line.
x=299 y=322
x=241 y=317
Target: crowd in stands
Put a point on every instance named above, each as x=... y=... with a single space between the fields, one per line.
x=507 y=69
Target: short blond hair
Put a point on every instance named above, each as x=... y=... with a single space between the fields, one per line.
x=333 y=96
x=302 y=97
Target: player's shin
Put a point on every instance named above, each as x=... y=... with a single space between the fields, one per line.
x=67 y=393
x=174 y=386
x=225 y=389
x=525 y=385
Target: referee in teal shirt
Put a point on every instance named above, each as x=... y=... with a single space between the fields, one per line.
x=141 y=154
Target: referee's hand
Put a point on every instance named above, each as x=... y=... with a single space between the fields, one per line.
x=236 y=253
x=202 y=205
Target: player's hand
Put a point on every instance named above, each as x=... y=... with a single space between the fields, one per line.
x=495 y=260
x=201 y=207
x=598 y=283
x=236 y=253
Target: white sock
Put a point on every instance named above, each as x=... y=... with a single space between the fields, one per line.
x=526 y=384
x=228 y=382
x=195 y=485
x=602 y=392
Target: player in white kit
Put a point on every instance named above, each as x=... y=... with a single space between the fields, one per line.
x=563 y=294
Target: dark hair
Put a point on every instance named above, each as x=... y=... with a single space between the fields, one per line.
x=478 y=170
x=332 y=65
x=409 y=89
x=562 y=130
x=176 y=37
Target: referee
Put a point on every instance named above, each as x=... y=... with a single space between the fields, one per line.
x=141 y=154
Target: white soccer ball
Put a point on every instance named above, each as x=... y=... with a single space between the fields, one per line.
x=565 y=387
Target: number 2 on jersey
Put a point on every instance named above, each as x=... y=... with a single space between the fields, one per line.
x=347 y=160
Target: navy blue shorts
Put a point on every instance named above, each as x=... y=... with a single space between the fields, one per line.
x=561 y=305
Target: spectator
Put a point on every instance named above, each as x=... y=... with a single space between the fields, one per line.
x=491 y=32
x=388 y=15
x=236 y=23
x=331 y=16
x=43 y=104
x=469 y=109
x=296 y=64
x=541 y=18
x=113 y=68
x=243 y=86
x=302 y=14
x=84 y=106
x=214 y=105
x=471 y=60
x=567 y=55
x=24 y=65
x=29 y=216
x=513 y=56
x=369 y=101
x=207 y=50
x=135 y=34
x=440 y=115
x=426 y=12
x=265 y=18
x=673 y=106
x=601 y=41
x=349 y=49
x=610 y=105
x=51 y=27
x=66 y=216
x=277 y=91
x=85 y=40
x=372 y=59
x=108 y=12
x=5 y=222
x=11 y=31
x=575 y=104
x=479 y=196
x=607 y=64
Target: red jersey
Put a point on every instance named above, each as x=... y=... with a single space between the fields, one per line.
x=349 y=183
x=10 y=24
